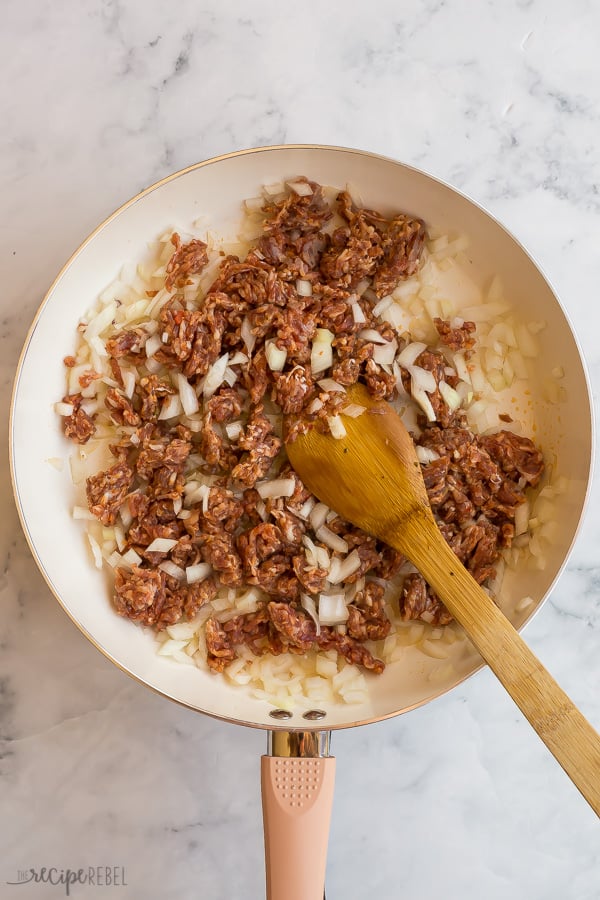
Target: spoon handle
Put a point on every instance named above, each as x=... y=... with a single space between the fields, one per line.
x=558 y=722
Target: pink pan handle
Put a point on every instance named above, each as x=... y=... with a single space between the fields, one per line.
x=297 y=796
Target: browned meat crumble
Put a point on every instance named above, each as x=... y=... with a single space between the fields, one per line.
x=475 y=484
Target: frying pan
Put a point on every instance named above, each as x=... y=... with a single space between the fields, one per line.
x=298 y=772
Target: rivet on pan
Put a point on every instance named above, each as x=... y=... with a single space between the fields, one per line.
x=280 y=714
x=314 y=714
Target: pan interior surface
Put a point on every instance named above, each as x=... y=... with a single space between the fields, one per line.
x=214 y=191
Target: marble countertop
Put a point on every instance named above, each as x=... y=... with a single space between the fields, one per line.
x=458 y=800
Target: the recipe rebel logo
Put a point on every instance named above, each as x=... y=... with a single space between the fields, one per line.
x=95 y=876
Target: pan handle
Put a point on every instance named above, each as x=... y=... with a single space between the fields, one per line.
x=297 y=782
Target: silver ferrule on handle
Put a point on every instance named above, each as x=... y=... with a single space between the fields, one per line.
x=306 y=744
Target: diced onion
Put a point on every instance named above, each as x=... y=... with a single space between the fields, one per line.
x=64 y=409
x=215 y=376
x=342 y=569
x=275 y=357
x=321 y=357
x=238 y=359
x=425 y=403
x=315 y=406
x=95 y=548
x=248 y=338
x=81 y=512
x=328 y=384
x=279 y=487
x=153 y=344
x=161 y=545
x=303 y=287
x=171 y=569
x=332 y=609
x=331 y=539
x=230 y=376
x=425 y=455
x=522 y=514
x=353 y=410
x=308 y=604
x=410 y=353
x=131 y=557
x=369 y=334
x=336 y=426
x=300 y=187
x=382 y=305
x=357 y=314
x=451 y=398
x=233 y=430
x=421 y=379
x=171 y=407
x=318 y=515
x=197 y=573
x=189 y=400
x=384 y=354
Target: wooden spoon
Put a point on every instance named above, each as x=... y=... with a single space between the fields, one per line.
x=372 y=478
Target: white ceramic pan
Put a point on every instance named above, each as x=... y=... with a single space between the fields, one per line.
x=297 y=791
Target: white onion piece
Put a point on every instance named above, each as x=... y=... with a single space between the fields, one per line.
x=187 y=394
x=153 y=366
x=336 y=426
x=384 y=354
x=353 y=410
x=197 y=573
x=161 y=545
x=131 y=557
x=331 y=539
x=64 y=409
x=315 y=406
x=332 y=609
x=382 y=305
x=323 y=560
x=171 y=569
x=248 y=338
x=321 y=357
x=425 y=455
x=95 y=548
x=301 y=188
x=177 y=504
x=100 y=321
x=522 y=514
x=305 y=509
x=275 y=357
x=120 y=538
x=425 y=403
x=348 y=567
x=461 y=367
x=308 y=604
x=98 y=346
x=329 y=384
x=128 y=382
x=410 y=353
x=279 y=487
x=171 y=407
x=81 y=512
x=238 y=359
x=304 y=288
x=318 y=516
x=215 y=376
x=272 y=189
x=233 y=430
x=451 y=397
x=357 y=314
x=153 y=344
x=369 y=334
x=421 y=379
x=230 y=376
